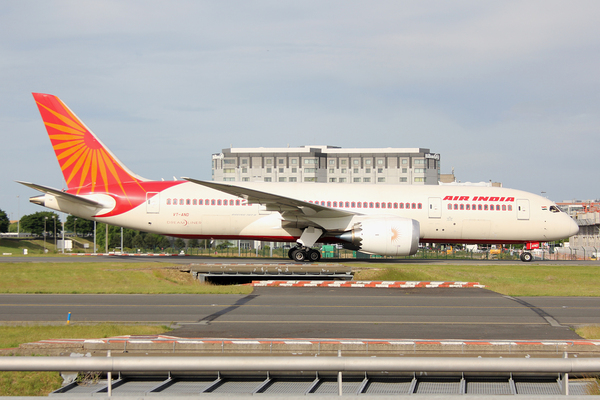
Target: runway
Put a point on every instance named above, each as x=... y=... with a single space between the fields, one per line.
x=468 y=314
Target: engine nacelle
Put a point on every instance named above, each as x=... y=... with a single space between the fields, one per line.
x=384 y=236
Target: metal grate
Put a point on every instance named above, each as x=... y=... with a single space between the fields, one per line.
x=438 y=386
x=351 y=385
x=530 y=386
x=330 y=386
x=488 y=386
x=389 y=386
x=288 y=386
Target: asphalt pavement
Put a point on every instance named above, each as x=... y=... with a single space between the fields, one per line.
x=365 y=313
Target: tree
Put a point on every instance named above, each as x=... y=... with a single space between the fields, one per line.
x=4 y=222
x=79 y=226
x=34 y=223
x=179 y=243
x=193 y=243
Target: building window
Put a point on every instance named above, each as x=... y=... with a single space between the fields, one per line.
x=268 y=179
x=269 y=170
x=419 y=179
x=356 y=180
x=344 y=170
x=230 y=179
x=355 y=170
x=281 y=170
x=368 y=162
x=244 y=161
x=281 y=161
x=380 y=170
x=245 y=179
x=229 y=161
x=331 y=162
x=310 y=170
x=331 y=170
x=294 y=161
x=379 y=162
x=342 y=180
x=368 y=170
x=419 y=161
x=404 y=161
x=229 y=170
x=403 y=179
x=310 y=161
x=282 y=179
x=310 y=179
x=366 y=179
x=332 y=179
x=404 y=170
x=344 y=162
x=293 y=179
x=269 y=161
x=244 y=170
x=419 y=170
x=380 y=179
x=355 y=162
x=294 y=170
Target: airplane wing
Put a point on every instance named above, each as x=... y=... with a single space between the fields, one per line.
x=60 y=193
x=276 y=202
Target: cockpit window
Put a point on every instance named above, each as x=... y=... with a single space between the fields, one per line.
x=554 y=209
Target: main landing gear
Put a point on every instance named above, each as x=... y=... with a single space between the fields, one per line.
x=526 y=257
x=303 y=252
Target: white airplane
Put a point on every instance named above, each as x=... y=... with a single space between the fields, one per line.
x=376 y=219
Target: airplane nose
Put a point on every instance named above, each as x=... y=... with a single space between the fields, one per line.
x=571 y=227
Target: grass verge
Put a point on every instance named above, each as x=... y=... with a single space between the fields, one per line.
x=109 y=277
x=589 y=332
x=512 y=280
x=43 y=383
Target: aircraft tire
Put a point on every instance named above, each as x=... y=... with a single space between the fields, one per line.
x=314 y=255
x=299 y=255
x=291 y=252
x=526 y=257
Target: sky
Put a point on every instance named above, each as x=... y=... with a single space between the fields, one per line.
x=507 y=91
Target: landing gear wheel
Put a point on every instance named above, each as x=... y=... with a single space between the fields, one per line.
x=526 y=257
x=291 y=252
x=314 y=255
x=299 y=255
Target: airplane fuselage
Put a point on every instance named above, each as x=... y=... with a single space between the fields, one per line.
x=446 y=214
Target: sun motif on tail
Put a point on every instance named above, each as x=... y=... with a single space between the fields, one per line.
x=86 y=164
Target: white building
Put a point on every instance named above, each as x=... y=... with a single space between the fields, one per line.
x=409 y=166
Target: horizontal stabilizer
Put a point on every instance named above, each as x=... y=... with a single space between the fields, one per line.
x=64 y=195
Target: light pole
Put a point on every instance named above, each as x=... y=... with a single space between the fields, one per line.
x=18 y=217
x=75 y=224
x=45 y=219
x=54 y=218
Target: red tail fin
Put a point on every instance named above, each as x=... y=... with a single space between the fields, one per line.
x=87 y=165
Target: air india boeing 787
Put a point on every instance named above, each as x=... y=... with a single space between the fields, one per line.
x=376 y=219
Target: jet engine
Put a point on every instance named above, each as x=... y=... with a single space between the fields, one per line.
x=384 y=236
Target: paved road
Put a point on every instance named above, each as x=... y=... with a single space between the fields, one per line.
x=468 y=314
x=252 y=260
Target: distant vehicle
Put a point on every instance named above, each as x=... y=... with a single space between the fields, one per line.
x=375 y=219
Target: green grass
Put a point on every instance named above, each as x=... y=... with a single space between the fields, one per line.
x=13 y=336
x=43 y=383
x=122 y=278
x=513 y=280
x=589 y=332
